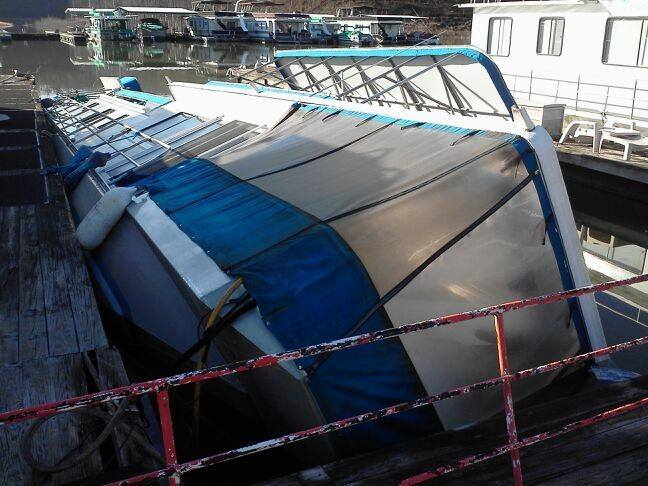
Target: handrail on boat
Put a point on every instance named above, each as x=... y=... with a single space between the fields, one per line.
x=160 y=388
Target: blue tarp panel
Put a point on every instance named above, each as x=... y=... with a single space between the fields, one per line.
x=309 y=286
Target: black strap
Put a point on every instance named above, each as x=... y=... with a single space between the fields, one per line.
x=403 y=283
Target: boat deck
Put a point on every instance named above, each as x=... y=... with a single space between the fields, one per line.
x=611 y=452
x=52 y=341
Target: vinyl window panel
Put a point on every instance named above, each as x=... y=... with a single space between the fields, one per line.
x=500 y=30
x=551 y=31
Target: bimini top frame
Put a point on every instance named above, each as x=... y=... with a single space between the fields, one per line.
x=459 y=80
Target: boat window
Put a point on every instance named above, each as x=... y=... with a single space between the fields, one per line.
x=499 y=36
x=550 y=36
x=625 y=42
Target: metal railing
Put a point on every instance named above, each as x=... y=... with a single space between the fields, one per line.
x=160 y=388
x=628 y=101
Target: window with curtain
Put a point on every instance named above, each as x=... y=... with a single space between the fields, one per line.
x=499 y=36
x=550 y=36
x=626 y=41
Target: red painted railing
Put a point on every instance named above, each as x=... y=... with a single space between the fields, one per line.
x=173 y=470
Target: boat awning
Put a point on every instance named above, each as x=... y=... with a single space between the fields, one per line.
x=458 y=80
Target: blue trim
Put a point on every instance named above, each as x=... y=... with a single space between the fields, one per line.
x=308 y=284
x=469 y=52
x=553 y=231
x=140 y=96
x=404 y=122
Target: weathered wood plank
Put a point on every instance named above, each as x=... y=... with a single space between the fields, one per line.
x=12 y=466
x=55 y=378
x=9 y=284
x=61 y=331
x=89 y=328
x=32 y=320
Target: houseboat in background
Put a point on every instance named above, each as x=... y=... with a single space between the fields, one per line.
x=5 y=36
x=590 y=56
x=289 y=28
x=151 y=30
x=376 y=29
x=109 y=26
x=219 y=26
x=323 y=29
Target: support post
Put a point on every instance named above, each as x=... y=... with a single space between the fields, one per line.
x=508 y=398
x=168 y=440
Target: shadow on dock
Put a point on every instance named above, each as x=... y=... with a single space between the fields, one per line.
x=52 y=342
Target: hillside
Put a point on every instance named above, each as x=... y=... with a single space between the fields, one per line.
x=441 y=12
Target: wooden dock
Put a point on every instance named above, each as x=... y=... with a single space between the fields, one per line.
x=52 y=342
x=611 y=452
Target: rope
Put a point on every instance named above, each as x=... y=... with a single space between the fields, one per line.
x=113 y=420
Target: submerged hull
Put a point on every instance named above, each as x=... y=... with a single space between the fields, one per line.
x=339 y=222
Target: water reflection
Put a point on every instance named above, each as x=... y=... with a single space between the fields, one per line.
x=63 y=67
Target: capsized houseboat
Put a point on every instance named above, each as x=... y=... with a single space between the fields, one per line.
x=385 y=187
x=109 y=26
x=590 y=55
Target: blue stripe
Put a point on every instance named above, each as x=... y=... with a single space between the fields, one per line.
x=140 y=96
x=309 y=287
x=553 y=231
x=470 y=52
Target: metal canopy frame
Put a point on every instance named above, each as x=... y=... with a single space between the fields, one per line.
x=370 y=91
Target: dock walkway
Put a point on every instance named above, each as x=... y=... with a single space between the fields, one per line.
x=52 y=342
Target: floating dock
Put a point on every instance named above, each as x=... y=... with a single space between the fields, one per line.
x=73 y=38
x=605 y=170
x=52 y=341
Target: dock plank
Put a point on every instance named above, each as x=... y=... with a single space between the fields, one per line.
x=9 y=278
x=12 y=466
x=61 y=331
x=32 y=320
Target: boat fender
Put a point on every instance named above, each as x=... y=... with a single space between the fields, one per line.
x=94 y=160
x=105 y=214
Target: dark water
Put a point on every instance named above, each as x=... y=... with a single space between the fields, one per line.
x=611 y=226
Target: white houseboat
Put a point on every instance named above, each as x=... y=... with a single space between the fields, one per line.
x=350 y=203
x=589 y=55
x=219 y=25
x=291 y=28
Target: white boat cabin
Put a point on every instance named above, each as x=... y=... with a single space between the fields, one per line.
x=590 y=55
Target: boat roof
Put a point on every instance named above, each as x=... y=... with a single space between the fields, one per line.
x=487 y=3
x=459 y=79
x=157 y=10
